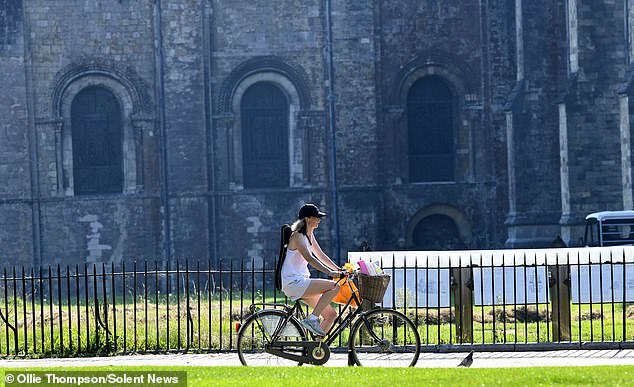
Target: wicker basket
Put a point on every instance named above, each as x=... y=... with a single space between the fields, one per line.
x=372 y=288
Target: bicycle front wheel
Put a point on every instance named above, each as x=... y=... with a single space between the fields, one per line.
x=384 y=338
x=255 y=335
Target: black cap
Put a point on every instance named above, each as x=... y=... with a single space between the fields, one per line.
x=310 y=210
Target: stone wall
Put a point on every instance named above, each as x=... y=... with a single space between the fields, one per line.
x=108 y=44
x=535 y=146
x=16 y=222
x=179 y=68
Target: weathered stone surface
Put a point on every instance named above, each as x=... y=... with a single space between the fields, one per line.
x=178 y=68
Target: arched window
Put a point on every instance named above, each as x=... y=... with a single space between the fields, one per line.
x=265 y=152
x=430 y=118
x=96 y=142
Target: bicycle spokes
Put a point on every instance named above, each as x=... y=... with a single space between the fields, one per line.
x=380 y=337
x=383 y=338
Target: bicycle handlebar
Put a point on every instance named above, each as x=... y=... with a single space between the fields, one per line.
x=347 y=274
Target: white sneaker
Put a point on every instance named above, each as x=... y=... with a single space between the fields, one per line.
x=313 y=326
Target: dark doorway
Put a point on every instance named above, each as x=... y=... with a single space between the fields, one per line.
x=437 y=232
x=97 y=142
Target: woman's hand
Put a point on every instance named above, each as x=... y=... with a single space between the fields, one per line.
x=335 y=274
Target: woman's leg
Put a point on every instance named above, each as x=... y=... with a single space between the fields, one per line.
x=318 y=295
x=329 y=313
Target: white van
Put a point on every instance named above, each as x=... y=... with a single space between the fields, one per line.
x=609 y=228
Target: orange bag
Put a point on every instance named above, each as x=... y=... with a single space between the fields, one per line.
x=345 y=293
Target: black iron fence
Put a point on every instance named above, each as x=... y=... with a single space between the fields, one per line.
x=515 y=299
x=136 y=308
x=507 y=300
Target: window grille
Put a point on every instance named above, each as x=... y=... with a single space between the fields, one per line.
x=97 y=142
x=430 y=117
x=265 y=151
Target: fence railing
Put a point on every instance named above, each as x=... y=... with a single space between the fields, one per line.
x=506 y=300
x=140 y=307
x=515 y=299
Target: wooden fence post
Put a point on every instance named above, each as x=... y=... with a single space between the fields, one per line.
x=559 y=283
x=463 y=303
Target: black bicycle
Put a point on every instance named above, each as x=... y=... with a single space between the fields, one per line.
x=378 y=337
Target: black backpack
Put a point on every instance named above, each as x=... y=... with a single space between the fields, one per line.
x=286 y=236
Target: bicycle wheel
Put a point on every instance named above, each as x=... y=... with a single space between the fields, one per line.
x=255 y=334
x=384 y=338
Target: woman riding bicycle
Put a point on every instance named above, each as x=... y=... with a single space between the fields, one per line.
x=303 y=249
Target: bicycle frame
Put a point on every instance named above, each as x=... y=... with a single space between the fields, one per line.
x=314 y=351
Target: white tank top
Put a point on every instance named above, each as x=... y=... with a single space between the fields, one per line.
x=295 y=266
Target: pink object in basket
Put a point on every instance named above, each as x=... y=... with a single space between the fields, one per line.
x=363 y=268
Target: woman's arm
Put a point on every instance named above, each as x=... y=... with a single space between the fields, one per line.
x=301 y=244
x=323 y=257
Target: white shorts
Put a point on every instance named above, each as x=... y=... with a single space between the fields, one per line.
x=296 y=288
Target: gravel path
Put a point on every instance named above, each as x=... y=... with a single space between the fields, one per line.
x=426 y=360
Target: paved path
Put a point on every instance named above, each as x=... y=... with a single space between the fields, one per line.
x=427 y=360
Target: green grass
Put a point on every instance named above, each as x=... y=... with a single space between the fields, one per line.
x=349 y=376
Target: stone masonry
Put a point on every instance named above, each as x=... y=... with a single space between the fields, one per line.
x=540 y=112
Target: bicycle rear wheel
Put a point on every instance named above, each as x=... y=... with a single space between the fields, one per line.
x=255 y=335
x=384 y=338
